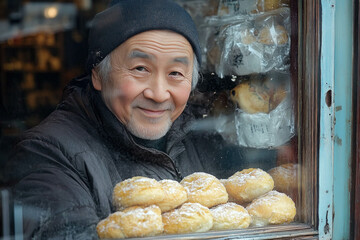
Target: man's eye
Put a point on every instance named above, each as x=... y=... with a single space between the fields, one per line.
x=140 y=68
x=175 y=74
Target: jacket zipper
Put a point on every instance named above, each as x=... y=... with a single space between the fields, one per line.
x=177 y=171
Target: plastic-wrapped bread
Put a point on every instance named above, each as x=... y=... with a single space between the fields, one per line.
x=268 y=5
x=274 y=34
x=258 y=95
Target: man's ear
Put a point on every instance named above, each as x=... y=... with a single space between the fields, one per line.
x=96 y=80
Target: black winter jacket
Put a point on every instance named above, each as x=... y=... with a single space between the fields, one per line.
x=67 y=166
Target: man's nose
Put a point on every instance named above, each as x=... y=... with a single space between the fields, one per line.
x=157 y=89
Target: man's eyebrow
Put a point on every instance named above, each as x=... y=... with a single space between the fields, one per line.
x=183 y=60
x=139 y=54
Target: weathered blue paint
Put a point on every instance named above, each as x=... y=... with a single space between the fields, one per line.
x=326 y=142
x=343 y=102
x=335 y=119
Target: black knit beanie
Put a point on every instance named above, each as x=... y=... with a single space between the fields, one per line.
x=126 y=18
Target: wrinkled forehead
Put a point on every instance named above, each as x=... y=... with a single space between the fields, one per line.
x=150 y=44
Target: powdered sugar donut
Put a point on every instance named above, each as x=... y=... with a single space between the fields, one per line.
x=230 y=198
x=110 y=227
x=137 y=191
x=205 y=189
x=189 y=218
x=175 y=195
x=132 y=222
x=272 y=208
x=230 y=216
x=285 y=177
x=248 y=184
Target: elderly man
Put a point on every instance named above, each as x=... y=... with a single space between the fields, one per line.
x=127 y=117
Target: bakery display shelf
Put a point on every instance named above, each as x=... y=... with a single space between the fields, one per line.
x=32 y=70
x=29 y=45
x=285 y=231
x=35 y=40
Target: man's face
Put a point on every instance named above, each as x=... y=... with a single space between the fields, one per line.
x=149 y=82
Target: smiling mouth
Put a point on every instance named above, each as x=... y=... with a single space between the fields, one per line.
x=152 y=113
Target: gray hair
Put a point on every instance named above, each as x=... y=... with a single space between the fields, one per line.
x=104 y=68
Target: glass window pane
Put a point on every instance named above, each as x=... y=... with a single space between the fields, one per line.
x=239 y=128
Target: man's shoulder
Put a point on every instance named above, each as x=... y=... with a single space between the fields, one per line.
x=56 y=141
x=70 y=120
x=59 y=123
x=63 y=130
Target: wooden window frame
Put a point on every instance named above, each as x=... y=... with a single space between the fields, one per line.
x=355 y=196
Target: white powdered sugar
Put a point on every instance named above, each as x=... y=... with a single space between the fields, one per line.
x=170 y=186
x=187 y=210
x=136 y=182
x=228 y=210
x=267 y=199
x=242 y=178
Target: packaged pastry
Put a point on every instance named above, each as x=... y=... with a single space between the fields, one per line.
x=273 y=35
x=258 y=95
x=265 y=114
x=270 y=5
x=252 y=44
x=236 y=7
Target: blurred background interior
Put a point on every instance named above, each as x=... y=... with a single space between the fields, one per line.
x=43 y=45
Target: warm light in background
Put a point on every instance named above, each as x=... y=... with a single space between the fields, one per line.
x=50 y=12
